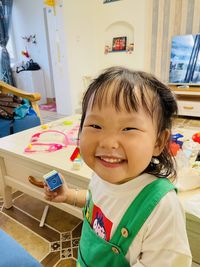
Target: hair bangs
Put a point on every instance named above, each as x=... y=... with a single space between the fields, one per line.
x=123 y=94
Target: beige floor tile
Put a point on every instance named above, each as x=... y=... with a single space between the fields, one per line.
x=34 y=244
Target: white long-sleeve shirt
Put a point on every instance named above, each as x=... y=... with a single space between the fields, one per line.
x=162 y=241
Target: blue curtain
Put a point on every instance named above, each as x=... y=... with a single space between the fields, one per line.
x=5 y=17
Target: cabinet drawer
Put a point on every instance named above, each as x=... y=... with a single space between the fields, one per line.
x=189 y=108
x=19 y=170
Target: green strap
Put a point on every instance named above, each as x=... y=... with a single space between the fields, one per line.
x=139 y=211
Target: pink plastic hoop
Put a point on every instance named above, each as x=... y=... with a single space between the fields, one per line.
x=52 y=146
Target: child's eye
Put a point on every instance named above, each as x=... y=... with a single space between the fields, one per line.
x=129 y=129
x=95 y=126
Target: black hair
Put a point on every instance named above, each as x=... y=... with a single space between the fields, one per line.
x=162 y=104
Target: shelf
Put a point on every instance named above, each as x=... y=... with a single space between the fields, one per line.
x=191 y=90
x=121 y=30
x=188 y=100
x=120 y=51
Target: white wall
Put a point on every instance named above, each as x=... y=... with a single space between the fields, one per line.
x=28 y=19
x=85 y=24
x=78 y=34
x=134 y=13
x=78 y=28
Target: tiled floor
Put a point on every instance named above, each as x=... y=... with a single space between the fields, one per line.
x=48 y=116
x=55 y=244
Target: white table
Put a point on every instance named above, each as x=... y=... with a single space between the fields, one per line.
x=16 y=165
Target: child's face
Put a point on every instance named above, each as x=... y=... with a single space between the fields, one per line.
x=118 y=145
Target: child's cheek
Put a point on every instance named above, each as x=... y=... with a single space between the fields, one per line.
x=84 y=148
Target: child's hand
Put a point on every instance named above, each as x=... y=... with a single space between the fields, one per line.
x=58 y=195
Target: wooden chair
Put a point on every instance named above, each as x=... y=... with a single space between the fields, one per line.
x=27 y=121
x=33 y=98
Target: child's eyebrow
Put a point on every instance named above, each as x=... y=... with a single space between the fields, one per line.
x=130 y=119
x=93 y=116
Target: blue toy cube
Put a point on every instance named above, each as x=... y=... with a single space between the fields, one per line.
x=53 y=180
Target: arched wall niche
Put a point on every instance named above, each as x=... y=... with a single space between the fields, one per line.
x=119 y=29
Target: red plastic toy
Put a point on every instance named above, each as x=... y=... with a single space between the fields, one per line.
x=196 y=137
x=174 y=148
x=75 y=154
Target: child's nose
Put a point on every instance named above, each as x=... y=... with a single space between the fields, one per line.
x=109 y=142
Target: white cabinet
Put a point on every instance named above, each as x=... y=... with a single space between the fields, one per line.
x=32 y=82
x=188 y=100
x=189 y=108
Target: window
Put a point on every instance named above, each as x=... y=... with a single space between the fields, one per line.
x=11 y=46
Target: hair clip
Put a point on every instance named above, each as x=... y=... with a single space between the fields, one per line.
x=155 y=160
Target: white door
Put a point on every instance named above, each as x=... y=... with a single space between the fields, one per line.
x=58 y=59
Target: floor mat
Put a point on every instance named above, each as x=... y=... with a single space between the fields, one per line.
x=49 y=107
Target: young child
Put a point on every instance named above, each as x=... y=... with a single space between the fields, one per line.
x=132 y=215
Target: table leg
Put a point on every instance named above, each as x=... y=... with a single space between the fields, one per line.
x=44 y=215
x=6 y=190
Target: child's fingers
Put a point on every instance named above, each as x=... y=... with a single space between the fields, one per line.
x=49 y=198
x=50 y=195
x=48 y=191
x=58 y=194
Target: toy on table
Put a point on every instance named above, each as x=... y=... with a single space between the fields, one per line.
x=75 y=154
x=77 y=164
x=175 y=144
x=67 y=122
x=36 y=136
x=53 y=180
x=51 y=146
x=44 y=126
x=76 y=159
x=196 y=137
x=68 y=127
x=175 y=138
x=72 y=135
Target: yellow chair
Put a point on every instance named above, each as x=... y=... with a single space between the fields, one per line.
x=26 y=122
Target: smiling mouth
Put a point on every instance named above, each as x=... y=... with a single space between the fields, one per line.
x=110 y=162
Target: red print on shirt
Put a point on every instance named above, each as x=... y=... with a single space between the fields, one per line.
x=101 y=224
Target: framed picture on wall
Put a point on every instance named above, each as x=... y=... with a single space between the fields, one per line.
x=119 y=43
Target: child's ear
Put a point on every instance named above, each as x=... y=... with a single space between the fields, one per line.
x=161 y=142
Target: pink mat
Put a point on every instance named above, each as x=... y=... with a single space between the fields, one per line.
x=49 y=107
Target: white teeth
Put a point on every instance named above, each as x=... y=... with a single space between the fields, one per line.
x=111 y=160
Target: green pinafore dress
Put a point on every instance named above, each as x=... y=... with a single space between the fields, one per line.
x=94 y=251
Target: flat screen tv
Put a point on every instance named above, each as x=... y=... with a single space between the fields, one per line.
x=185 y=60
